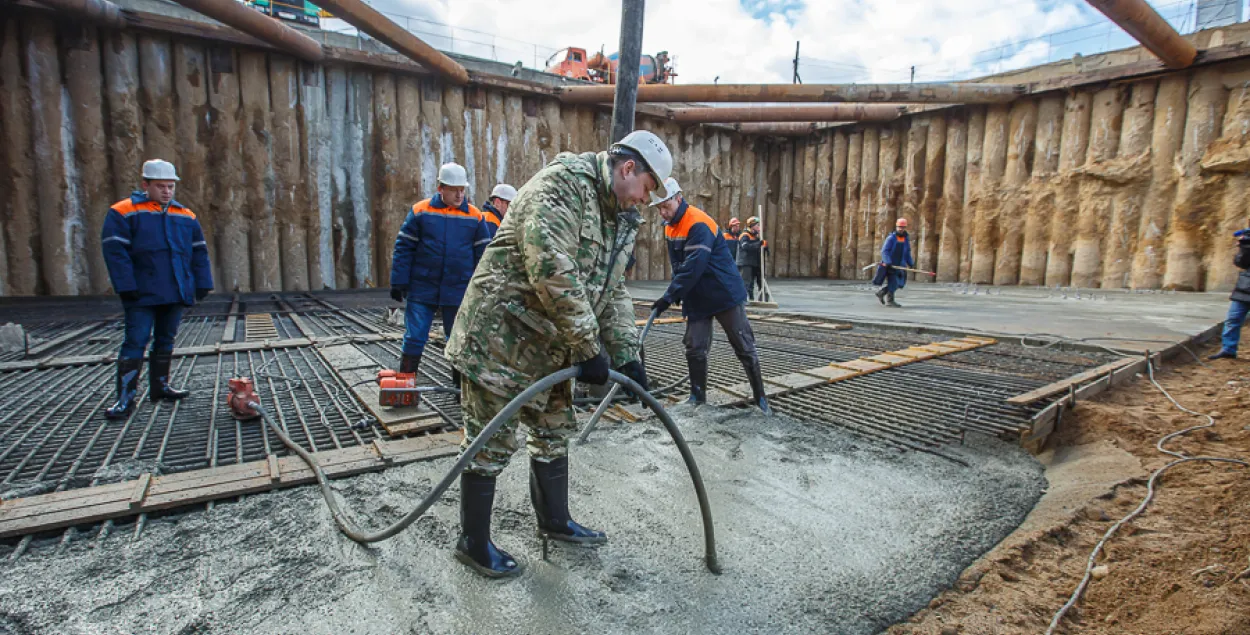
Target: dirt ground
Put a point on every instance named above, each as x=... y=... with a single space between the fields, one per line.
x=1182 y=567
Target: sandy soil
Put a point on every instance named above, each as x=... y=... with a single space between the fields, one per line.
x=1182 y=567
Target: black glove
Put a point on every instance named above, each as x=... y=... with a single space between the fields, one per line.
x=200 y=294
x=129 y=296
x=660 y=306
x=637 y=372
x=595 y=370
x=399 y=292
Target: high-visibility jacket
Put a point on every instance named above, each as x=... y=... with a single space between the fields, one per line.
x=158 y=252
x=731 y=239
x=705 y=280
x=493 y=217
x=437 y=250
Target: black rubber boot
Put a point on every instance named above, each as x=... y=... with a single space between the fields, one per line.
x=127 y=388
x=881 y=295
x=891 y=303
x=549 y=491
x=158 y=378
x=455 y=382
x=756 y=377
x=409 y=363
x=698 y=381
x=475 y=549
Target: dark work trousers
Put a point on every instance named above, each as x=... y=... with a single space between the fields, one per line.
x=737 y=327
x=752 y=279
x=142 y=322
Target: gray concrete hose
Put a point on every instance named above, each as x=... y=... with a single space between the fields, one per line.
x=352 y=531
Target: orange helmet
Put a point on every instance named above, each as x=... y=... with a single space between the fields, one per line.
x=734 y=221
x=902 y=222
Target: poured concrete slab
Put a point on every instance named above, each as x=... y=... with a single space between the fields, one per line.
x=1154 y=317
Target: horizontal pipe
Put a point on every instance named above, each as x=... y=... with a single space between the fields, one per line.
x=259 y=26
x=777 y=129
x=367 y=19
x=830 y=112
x=99 y=11
x=1141 y=21
x=890 y=93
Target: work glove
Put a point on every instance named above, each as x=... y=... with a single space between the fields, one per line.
x=399 y=292
x=660 y=306
x=129 y=296
x=200 y=294
x=637 y=372
x=594 y=370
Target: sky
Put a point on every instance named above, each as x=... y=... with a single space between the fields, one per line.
x=753 y=41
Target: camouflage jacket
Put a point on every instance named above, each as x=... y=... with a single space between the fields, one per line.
x=551 y=286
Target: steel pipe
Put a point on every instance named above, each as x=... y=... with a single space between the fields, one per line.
x=98 y=11
x=938 y=93
x=624 y=103
x=777 y=129
x=831 y=112
x=367 y=19
x=259 y=26
x=1141 y=21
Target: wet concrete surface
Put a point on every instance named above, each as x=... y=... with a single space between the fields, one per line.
x=1152 y=318
x=818 y=532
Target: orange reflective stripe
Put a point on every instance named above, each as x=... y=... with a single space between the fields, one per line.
x=123 y=207
x=424 y=207
x=128 y=206
x=491 y=218
x=691 y=217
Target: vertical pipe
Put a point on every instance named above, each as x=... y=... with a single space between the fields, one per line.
x=1165 y=145
x=258 y=172
x=934 y=164
x=782 y=222
x=58 y=210
x=988 y=205
x=627 y=72
x=290 y=195
x=870 y=179
x=1022 y=131
x=848 y=261
x=1072 y=150
x=360 y=166
x=318 y=182
x=340 y=229
x=225 y=160
x=1094 y=213
x=891 y=184
x=799 y=245
x=950 y=207
x=824 y=205
x=1042 y=199
x=192 y=120
x=84 y=80
x=913 y=185
x=835 y=234
x=972 y=191
x=386 y=176
x=1120 y=241
x=1207 y=100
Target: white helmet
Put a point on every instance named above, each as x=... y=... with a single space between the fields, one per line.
x=158 y=170
x=453 y=175
x=504 y=191
x=653 y=152
x=671 y=189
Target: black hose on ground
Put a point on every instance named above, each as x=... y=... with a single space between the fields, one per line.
x=352 y=531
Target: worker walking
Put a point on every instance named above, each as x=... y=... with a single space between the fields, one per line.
x=708 y=286
x=158 y=263
x=731 y=238
x=435 y=254
x=1239 y=301
x=895 y=252
x=497 y=206
x=550 y=293
x=750 y=245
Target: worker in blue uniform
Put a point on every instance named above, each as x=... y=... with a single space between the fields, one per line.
x=707 y=284
x=157 y=260
x=895 y=252
x=496 y=208
x=437 y=249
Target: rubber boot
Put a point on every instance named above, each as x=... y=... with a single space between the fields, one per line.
x=455 y=382
x=158 y=378
x=892 y=303
x=475 y=549
x=756 y=376
x=127 y=388
x=881 y=295
x=698 y=382
x=409 y=363
x=1224 y=354
x=549 y=491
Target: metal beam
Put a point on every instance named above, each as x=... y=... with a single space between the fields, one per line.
x=98 y=11
x=259 y=26
x=832 y=112
x=367 y=19
x=1141 y=21
x=625 y=95
x=889 y=93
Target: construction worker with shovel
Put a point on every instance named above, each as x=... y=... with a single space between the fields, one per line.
x=708 y=286
x=549 y=294
x=751 y=245
x=895 y=252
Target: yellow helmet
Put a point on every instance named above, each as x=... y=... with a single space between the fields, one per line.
x=754 y=220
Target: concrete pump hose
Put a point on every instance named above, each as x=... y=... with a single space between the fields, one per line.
x=350 y=529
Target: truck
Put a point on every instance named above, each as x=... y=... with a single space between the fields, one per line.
x=574 y=63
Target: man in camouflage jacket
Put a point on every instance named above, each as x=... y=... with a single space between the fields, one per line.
x=549 y=293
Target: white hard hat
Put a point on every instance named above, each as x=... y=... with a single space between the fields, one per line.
x=671 y=189
x=158 y=170
x=454 y=175
x=504 y=191
x=652 y=150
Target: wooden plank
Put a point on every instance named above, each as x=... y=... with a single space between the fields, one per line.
x=672 y=320
x=355 y=367
x=891 y=359
x=861 y=364
x=275 y=472
x=423 y=421
x=140 y=491
x=228 y=334
x=794 y=381
x=296 y=318
x=1061 y=386
x=97 y=505
x=831 y=373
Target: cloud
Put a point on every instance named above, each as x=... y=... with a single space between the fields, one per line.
x=747 y=41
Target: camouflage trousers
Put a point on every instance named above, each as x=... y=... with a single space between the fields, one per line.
x=549 y=429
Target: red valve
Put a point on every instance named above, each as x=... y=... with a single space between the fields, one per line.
x=242 y=392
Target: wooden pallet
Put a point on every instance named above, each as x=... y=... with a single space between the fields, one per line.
x=259 y=327
x=151 y=493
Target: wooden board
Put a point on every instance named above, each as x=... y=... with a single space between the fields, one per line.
x=36 y=351
x=231 y=319
x=1062 y=386
x=355 y=367
x=155 y=493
